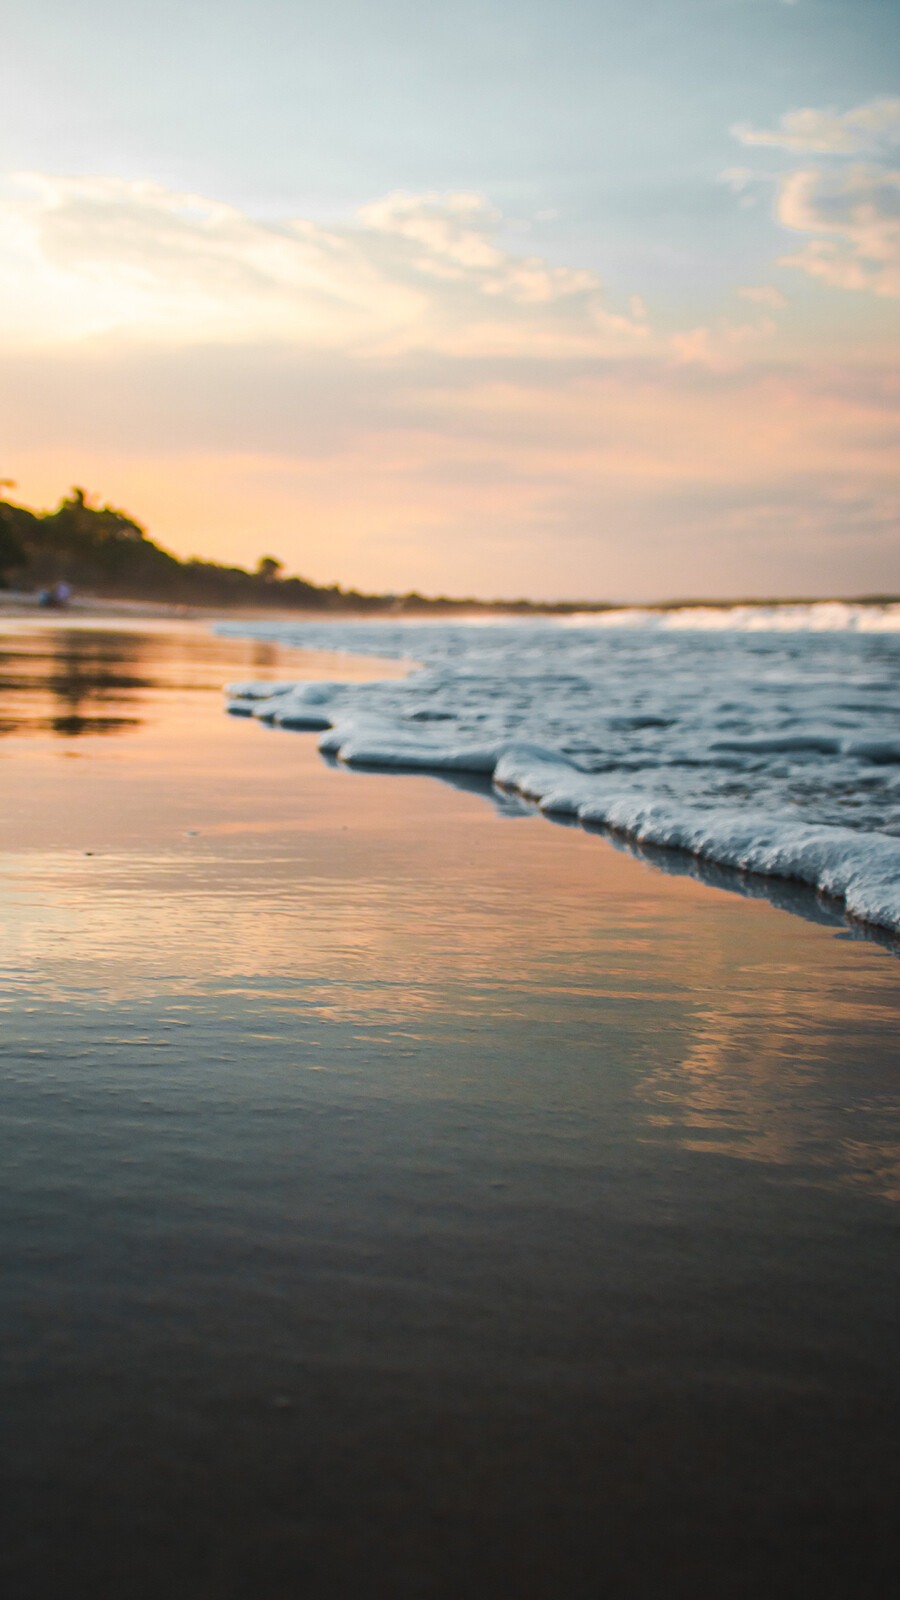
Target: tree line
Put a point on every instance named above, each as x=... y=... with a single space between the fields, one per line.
x=103 y=551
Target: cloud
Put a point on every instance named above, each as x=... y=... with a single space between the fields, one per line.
x=764 y=294
x=96 y=257
x=722 y=347
x=739 y=178
x=857 y=210
x=853 y=210
x=871 y=127
x=402 y=400
x=474 y=475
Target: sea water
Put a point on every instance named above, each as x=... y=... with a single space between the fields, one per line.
x=765 y=739
x=402 y=1203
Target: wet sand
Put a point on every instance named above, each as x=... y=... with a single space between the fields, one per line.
x=407 y=1197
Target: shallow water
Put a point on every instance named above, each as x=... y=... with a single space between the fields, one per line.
x=750 y=746
x=406 y=1197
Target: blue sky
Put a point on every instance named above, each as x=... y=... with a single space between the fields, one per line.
x=706 y=408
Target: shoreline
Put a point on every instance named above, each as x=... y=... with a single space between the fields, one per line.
x=709 y=863
x=13 y=604
x=558 y=790
x=857 y=870
x=509 y=1208
x=715 y=842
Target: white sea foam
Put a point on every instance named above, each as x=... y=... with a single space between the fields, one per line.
x=761 y=746
x=823 y=616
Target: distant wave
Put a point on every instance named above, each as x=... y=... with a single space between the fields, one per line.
x=823 y=616
x=767 y=750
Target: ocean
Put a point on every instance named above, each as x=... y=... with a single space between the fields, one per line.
x=405 y=1197
x=760 y=739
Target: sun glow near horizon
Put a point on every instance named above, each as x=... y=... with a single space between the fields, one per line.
x=434 y=388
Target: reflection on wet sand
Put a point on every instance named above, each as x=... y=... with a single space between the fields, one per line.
x=78 y=678
x=771 y=1073
x=62 y=679
x=519 y=1212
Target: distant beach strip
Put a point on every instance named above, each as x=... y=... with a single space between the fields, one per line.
x=764 y=739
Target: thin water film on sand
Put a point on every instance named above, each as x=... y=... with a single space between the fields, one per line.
x=747 y=742
x=405 y=1197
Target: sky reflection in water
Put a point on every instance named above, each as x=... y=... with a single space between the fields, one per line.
x=341 y=915
x=369 y=1155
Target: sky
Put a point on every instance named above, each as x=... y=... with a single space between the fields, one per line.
x=583 y=300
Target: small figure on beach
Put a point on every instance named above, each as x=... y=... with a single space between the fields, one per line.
x=56 y=598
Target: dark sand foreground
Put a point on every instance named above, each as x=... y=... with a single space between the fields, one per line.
x=406 y=1197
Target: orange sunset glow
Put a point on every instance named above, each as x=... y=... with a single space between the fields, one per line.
x=490 y=386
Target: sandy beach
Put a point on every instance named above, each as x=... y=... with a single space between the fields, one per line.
x=407 y=1196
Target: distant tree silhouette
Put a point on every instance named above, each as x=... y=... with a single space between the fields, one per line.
x=102 y=550
x=12 y=553
x=13 y=520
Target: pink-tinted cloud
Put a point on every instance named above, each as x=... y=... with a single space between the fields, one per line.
x=89 y=257
x=402 y=400
x=868 y=127
x=855 y=214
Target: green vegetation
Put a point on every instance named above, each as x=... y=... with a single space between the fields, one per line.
x=102 y=551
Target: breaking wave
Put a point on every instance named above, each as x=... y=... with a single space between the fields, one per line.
x=753 y=744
